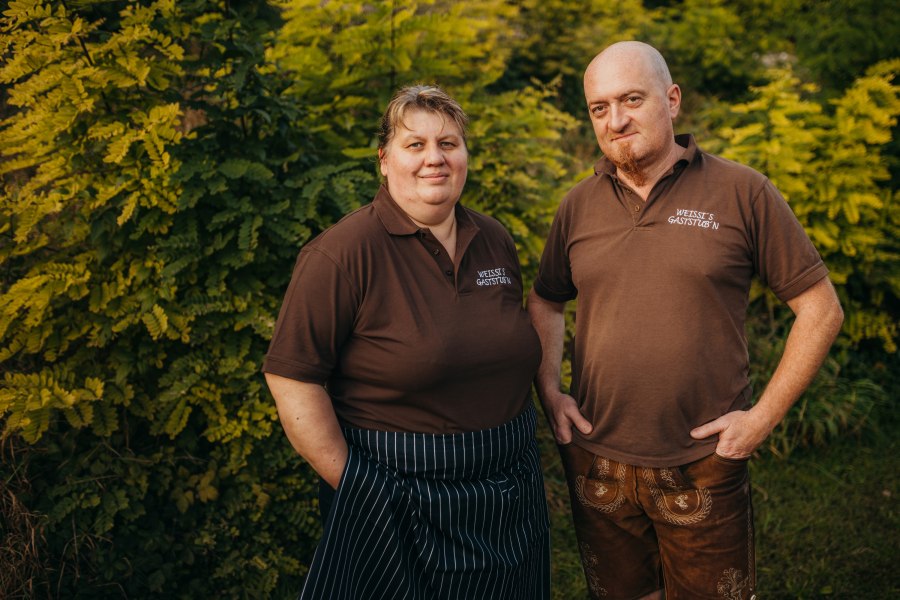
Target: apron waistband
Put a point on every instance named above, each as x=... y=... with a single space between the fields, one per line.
x=468 y=455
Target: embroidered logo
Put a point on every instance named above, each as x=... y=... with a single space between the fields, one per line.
x=694 y=218
x=495 y=276
x=732 y=584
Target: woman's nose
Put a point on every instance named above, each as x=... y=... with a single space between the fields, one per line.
x=434 y=155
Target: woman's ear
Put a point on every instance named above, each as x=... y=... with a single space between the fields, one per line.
x=381 y=155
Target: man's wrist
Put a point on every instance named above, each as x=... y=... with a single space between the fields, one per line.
x=547 y=388
x=766 y=419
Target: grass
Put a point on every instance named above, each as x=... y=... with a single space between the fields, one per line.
x=826 y=520
x=22 y=574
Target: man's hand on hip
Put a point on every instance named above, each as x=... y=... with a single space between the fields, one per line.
x=563 y=414
x=741 y=432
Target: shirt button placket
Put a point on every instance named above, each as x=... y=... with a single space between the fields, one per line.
x=442 y=260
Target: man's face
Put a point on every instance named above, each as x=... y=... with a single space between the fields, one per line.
x=631 y=110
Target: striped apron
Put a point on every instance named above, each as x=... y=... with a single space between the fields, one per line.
x=427 y=516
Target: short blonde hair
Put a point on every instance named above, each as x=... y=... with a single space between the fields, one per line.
x=429 y=98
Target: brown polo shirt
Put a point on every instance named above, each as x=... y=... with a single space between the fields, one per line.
x=403 y=338
x=662 y=291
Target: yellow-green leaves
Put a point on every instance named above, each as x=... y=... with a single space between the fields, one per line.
x=154 y=197
x=828 y=163
x=33 y=400
x=156 y=321
x=163 y=162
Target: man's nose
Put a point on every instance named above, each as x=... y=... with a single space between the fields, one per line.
x=618 y=118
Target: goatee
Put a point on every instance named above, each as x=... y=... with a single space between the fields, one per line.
x=627 y=164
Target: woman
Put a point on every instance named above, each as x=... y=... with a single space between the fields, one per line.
x=401 y=365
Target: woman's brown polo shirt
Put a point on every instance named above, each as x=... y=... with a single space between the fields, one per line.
x=662 y=291
x=403 y=339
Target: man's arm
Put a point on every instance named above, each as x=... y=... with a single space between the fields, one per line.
x=818 y=320
x=561 y=409
x=311 y=426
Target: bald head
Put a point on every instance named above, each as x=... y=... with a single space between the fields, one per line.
x=632 y=102
x=633 y=54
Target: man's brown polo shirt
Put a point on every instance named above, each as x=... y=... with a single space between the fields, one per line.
x=662 y=290
x=403 y=339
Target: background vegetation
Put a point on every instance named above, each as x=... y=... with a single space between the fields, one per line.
x=163 y=162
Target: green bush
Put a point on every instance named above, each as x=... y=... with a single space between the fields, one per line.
x=828 y=162
x=163 y=162
x=150 y=217
x=162 y=166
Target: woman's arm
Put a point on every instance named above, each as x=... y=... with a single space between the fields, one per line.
x=311 y=426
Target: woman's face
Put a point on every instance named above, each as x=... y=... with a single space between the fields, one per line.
x=425 y=165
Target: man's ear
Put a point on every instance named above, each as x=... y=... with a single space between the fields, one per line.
x=673 y=95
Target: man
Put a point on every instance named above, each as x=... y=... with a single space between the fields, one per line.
x=660 y=246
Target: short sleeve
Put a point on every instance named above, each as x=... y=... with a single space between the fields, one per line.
x=554 y=278
x=316 y=318
x=784 y=256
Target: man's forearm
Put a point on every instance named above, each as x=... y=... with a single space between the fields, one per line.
x=548 y=319
x=818 y=321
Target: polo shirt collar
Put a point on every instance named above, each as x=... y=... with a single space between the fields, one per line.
x=397 y=222
x=688 y=154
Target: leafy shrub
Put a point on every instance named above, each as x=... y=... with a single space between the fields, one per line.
x=835 y=404
x=162 y=166
x=828 y=163
x=149 y=218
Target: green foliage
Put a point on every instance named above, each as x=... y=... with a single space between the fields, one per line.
x=828 y=162
x=833 y=406
x=347 y=59
x=162 y=163
x=828 y=165
x=350 y=51
x=708 y=47
x=150 y=212
x=558 y=38
x=162 y=166
x=821 y=519
x=516 y=158
x=837 y=40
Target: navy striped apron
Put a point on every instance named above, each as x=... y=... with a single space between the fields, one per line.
x=426 y=516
